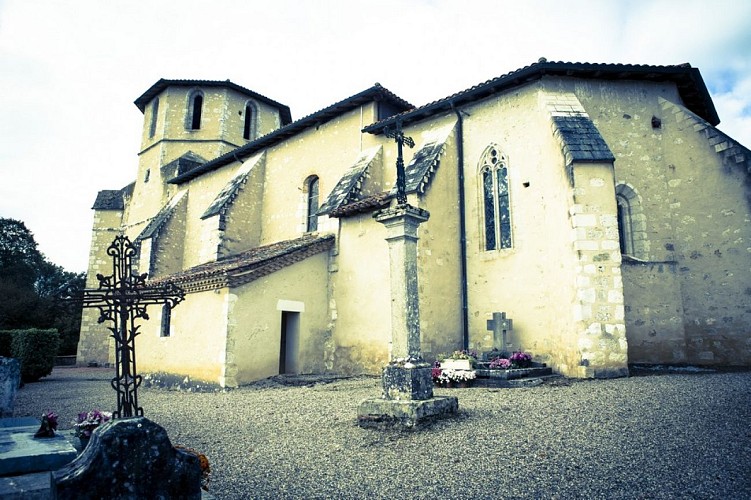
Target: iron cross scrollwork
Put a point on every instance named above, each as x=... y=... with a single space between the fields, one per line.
x=122 y=298
x=401 y=182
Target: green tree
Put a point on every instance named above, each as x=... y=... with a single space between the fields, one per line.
x=19 y=264
x=31 y=287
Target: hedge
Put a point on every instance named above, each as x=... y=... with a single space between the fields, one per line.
x=34 y=349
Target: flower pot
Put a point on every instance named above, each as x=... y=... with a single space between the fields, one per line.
x=464 y=384
x=456 y=364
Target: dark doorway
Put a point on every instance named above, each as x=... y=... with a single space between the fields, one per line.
x=290 y=342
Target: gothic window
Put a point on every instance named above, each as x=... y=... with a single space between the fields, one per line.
x=166 y=320
x=195 y=108
x=154 y=114
x=495 y=199
x=249 y=129
x=312 y=204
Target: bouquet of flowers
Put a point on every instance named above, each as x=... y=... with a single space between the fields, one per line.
x=49 y=425
x=500 y=364
x=86 y=422
x=450 y=375
x=521 y=359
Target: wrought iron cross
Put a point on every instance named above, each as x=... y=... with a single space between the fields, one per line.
x=401 y=182
x=122 y=298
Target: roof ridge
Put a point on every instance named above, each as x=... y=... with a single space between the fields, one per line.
x=685 y=75
x=291 y=129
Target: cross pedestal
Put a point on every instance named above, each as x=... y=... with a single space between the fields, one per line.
x=407 y=382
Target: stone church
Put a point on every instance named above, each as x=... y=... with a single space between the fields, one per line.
x=597 y=205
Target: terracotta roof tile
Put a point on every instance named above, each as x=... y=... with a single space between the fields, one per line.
x=688 y=80
x=368 y=204
x=248 y=266
x=374 y=93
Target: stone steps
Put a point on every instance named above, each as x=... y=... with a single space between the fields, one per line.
x=516 y=377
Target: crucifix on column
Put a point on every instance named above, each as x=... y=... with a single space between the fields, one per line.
x=401 y=182
x=122 y=298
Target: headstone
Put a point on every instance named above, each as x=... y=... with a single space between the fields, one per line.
x=129 y=458
x=501 y=327
x=10 y=380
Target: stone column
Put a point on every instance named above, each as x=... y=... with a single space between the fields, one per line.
x=407 y=383
x=401 y=226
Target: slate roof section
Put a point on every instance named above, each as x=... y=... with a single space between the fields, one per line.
x=157 y=223
x=113 y=199
x=581 y=140
x=185 y=163
x=349 y=186
x=163 y=83
x=688 y=80
x=365 y=205
x=423 y=165
x=109 y=199
x=374 y=93
x=228 y=194
x=248 y=266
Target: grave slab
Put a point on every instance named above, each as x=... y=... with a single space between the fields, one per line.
x=34 y=486
x=22 y=453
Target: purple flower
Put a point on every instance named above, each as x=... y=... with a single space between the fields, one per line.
x=500 y=364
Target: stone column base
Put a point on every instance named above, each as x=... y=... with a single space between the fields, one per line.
x=404 y=413
x=407 y=382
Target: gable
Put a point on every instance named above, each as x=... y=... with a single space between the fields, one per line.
x=156 y=224
x=230 y=191
x=732 y=152
x=420 y=170
x=349 y=186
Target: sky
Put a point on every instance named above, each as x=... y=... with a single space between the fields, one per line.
x=70 y=71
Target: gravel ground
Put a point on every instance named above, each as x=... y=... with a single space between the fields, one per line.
x=677 y=435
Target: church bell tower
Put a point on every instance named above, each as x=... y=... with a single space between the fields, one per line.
x=189 y=122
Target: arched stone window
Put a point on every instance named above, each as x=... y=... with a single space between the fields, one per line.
x=154 y=116
x=496 y=208
x=632 y=230
x=195 y=108
x=311 y=196
x=251 y=115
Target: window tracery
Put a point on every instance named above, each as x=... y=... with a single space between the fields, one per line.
x=495 y=199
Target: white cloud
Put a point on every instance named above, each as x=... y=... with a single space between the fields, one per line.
x=71 y=70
